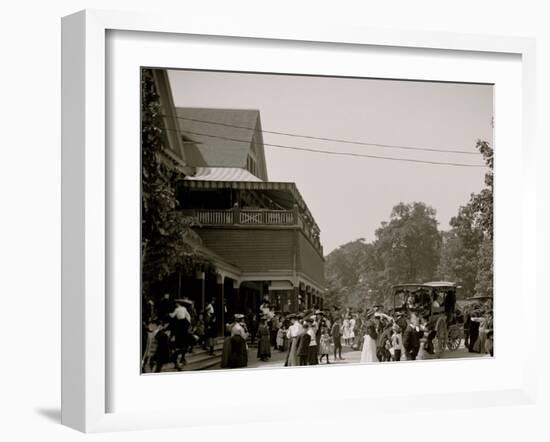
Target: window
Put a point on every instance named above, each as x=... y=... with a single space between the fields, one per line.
x=251 y=165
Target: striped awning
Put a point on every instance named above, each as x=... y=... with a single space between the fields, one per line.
x=222 y=174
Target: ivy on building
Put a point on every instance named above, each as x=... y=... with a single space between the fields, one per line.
x=166 y=236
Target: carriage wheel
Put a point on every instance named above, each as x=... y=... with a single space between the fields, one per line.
x=440 y=340
x=454 y=339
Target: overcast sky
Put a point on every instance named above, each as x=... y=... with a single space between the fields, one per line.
x=349 y=196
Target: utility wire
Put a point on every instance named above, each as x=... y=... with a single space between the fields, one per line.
x=335 y=140
x=330 y=152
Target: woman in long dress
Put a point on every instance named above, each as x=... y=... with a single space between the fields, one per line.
x=351 y=330
x=293 y=334
x=324 y=344
x=238 y=356
x=480 y=343
x=264 y=345
x=368 y=353
x=346 y=331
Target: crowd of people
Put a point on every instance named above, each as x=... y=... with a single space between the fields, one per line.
x=310 y=337
x=172 y=328
x=478 y=328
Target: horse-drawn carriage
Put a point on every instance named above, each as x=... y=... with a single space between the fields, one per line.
x=435 y=304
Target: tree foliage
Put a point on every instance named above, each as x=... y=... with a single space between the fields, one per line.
x=344 y=269
x=165 y=233
x=409 y=245
x=467 y=254
x=406 y=249
x=410 y=248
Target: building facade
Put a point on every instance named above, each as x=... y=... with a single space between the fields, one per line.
x=260 y=234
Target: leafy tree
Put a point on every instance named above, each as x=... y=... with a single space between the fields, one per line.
x=459 y=253
x=344 y=273
x=166 y=236
x=482 y=203
x=409 y=245
x=484 y=277
x=467 y=253
x=410 y=248
x=406 y=249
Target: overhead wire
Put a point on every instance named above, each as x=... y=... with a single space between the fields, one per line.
x=334 y=140
x=331 y=152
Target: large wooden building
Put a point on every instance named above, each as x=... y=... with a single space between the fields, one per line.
x=260 y=234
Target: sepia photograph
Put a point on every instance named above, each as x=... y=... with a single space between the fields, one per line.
x=294 y=220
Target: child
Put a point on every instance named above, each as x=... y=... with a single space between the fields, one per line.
x=199 y=331
x=157 y=351
x=422 y=354
x=324 y=344
x=396 y=343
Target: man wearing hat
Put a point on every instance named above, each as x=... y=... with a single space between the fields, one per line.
x=381 y=337
x=210 y=325
x=182 y=322
x=313 y=350
x=336 y=334
x=319 y=324
x=401 y=321
x=411 y=338
x=396 y=342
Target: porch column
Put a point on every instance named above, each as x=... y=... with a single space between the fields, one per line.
x=220 y=302
x=237 y=296
x=201 y=289
x=294 y=302
x=307 y=296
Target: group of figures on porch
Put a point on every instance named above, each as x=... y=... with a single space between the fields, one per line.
x=310 y=337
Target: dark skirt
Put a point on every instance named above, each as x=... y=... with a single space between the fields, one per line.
x=273 y=337
x=264 y=347
x=182 y=337
x=474 y=335
x=211 y=331
x=313 y=355
x=238 y=356
x=226 y=352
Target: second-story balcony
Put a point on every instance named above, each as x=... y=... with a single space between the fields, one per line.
x=247 y=217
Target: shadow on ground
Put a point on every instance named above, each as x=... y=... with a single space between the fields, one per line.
x=51 y=414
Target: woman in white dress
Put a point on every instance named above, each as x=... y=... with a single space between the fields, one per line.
x=351 y=330
x=368 y=353
x=346 y=331
x=293 y=333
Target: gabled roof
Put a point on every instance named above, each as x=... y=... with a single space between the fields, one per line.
x=220 y=148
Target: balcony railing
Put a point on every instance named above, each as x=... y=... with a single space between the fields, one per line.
x=258 y=217
x=247 y=217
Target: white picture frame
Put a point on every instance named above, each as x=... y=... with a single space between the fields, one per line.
x=86 y=206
